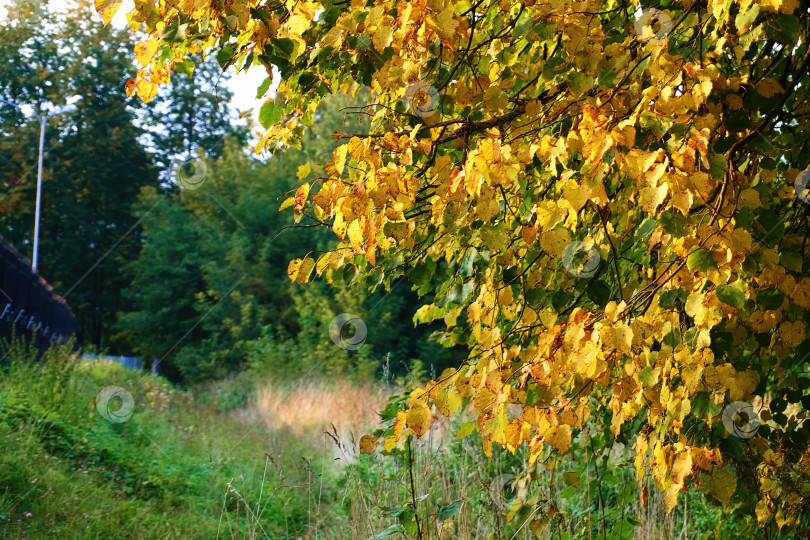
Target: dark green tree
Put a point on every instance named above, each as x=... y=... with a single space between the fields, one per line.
x=194 y=113
x=95 y=165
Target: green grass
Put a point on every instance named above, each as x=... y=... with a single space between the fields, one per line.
x=189 y=465
x=162 y=473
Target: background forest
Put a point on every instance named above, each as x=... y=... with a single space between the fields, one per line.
x=195 y=279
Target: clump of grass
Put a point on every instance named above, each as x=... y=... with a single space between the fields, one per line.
x=308 y=408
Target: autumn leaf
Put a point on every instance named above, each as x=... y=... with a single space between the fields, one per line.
x=419 y=419
x=301 y=197
x=448 y=401
x=721 y=484
x=368 y=444
x=559 y=437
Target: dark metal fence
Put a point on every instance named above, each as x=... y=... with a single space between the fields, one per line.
x=28 y=305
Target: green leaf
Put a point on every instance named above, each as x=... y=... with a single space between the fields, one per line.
x=468 y=264
x=390 y=412
x=184 y=66
x=579 y=82
x=571 y=478
x=784 y=29
x=700 y=260
x=773 y=225
x=730 y=295
x=465 y=430
x=421 y=273
x=668 y=298
x=648 y=376
x=389 y=532
x=792 y=259
x=673 y=223
x=703 y=406
x=408 y=520
x=598 y=292
x=658 y=125
x=718 y=166
x=722 y=342
x=450 y=510
x=270 y=114
x=283 y=46
x=225 y=54
x=607 y=78
x=262 y=90
x=737 y=121
x=645 y=229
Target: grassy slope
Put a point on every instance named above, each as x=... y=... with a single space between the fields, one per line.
x=178 y=468
x=162 y=473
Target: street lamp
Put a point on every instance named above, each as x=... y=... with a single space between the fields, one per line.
x=69 y=107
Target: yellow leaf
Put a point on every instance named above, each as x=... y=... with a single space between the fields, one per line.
x=682 y=467
x=496 y=428
x=145 y=50
x=107 y=8
x=555 y=240
x=559 y=437
x=768 y=87
x=448 y=401
x=368 y=444
x=484 y=400
x=513 y=434
x=301 y=196
x=146 y=90
x=788 y=6
x=305 y=270
x=334 y=167
x=575 y=194
x=399 y=424
x=339 y=225
x=703 y=183
x=671 y=496
x=293 y=268
x=750 y=198
x=465 y=430
x=322 y=263
x=390 y=443
x=357 y=148
x=682 y=200
x=355 y=235
x=298 y=24
x=288 y=202
x=652 y=197
x=619 y=336
x=303 y=171
x=382 y=38
x=419 y=419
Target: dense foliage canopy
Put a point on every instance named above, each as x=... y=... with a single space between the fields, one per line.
x=608 y=199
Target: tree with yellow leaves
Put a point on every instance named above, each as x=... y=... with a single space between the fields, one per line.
x=609 y=201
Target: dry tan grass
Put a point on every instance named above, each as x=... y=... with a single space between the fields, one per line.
x=308 y=409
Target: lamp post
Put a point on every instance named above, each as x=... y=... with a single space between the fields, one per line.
x=69 y=107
